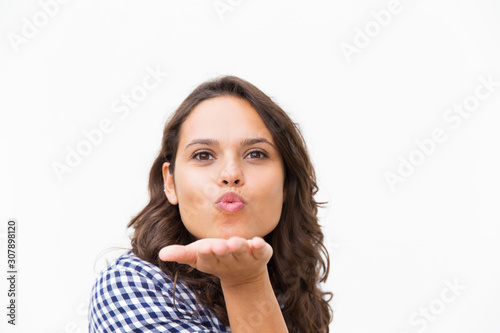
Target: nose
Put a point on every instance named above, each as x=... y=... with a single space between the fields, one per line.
x=231 y=174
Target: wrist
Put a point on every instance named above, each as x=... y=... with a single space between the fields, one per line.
x=254 y=283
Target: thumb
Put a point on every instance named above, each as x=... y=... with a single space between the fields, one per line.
x=179 y=253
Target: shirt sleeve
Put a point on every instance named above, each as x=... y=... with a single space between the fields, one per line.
x=128 y=301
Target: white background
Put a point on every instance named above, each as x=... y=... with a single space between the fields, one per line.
x=394 y=253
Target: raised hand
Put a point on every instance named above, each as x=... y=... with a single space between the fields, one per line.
x=235 y=261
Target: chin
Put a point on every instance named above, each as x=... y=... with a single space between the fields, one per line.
x=229 y=232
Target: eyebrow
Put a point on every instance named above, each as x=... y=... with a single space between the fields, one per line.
x=213 y=142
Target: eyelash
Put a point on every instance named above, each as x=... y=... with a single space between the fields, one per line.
x=206 y=152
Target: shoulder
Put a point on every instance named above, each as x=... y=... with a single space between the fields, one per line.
x=129 y=270
x=131 y=294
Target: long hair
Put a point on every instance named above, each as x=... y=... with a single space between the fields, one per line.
x=300 y=260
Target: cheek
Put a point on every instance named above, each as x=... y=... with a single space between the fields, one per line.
x=184 y=183
x=270 y=187
x=193 y=192
x=188 y=203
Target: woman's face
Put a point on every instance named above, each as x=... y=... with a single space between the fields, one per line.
x=226 y=147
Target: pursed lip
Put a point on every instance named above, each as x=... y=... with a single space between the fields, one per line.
x=230 y=197
x=230 y=202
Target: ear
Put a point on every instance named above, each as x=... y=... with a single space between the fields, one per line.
x=168 y=181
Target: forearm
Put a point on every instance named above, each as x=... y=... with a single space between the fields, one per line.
x=253 y=307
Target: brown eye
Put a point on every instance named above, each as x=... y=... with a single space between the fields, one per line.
x=257 y=154
x=203 y=156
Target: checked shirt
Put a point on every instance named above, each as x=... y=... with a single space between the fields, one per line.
x=133 y=295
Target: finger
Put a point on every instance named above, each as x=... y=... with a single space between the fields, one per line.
x=219 y=247
x=238 y=247
x=205 y=251
x=236 y=243
x=219 y=252
x=207 y=259
x=179 y=253
x=204 y=246
x=260 y=249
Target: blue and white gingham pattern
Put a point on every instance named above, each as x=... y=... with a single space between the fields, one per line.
x=132 y=295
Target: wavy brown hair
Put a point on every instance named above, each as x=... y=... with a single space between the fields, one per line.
x=300 y=260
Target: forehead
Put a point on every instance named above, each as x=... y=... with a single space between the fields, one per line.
x=225 y=118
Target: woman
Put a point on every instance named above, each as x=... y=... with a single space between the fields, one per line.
x=230 y=239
